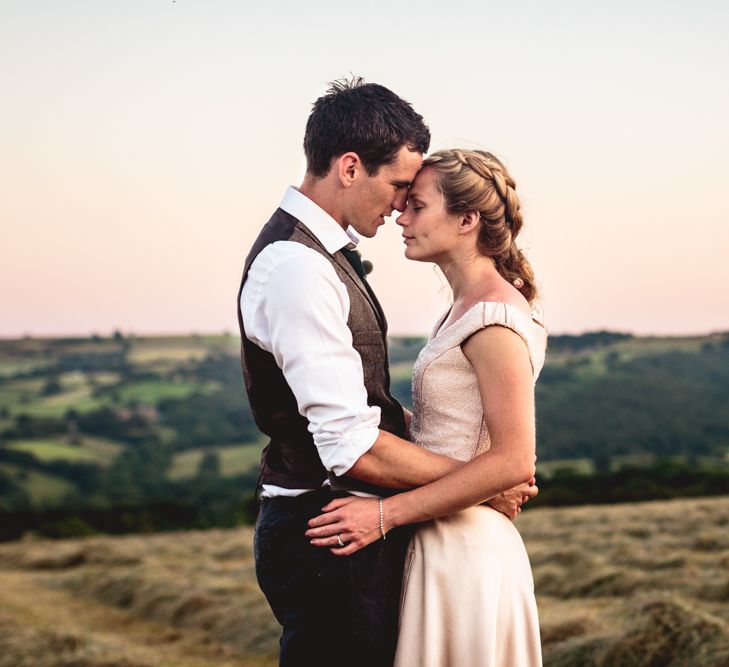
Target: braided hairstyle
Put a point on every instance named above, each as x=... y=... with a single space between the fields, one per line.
x=474 y=180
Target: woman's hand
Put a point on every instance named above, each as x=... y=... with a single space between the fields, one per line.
x=354 y=521
x=510 y=501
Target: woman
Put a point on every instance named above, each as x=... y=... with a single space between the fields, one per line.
x=468 y=595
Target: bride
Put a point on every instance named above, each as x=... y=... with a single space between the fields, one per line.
x=468 y=593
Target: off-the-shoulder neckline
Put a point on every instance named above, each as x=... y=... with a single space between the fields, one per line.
x=521 y=313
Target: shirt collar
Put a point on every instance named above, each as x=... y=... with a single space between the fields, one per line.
x=326 y=229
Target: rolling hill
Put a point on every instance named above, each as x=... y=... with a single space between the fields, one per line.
x=95 y=425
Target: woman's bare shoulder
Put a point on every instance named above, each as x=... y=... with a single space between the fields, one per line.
x=509 y=295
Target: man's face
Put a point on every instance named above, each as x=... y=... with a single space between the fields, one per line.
x=375 y=197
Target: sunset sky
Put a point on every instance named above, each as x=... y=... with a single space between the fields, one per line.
x=144 y=142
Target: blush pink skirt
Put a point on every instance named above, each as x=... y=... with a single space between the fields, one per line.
x=468 y=595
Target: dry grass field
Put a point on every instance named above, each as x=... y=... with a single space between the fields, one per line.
x=642 y=585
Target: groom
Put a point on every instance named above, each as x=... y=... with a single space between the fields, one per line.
x=314 y=358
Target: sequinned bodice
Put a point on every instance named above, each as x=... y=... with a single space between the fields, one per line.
x=447 y=409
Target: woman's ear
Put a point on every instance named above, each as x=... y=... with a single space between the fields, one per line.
x=469 y=221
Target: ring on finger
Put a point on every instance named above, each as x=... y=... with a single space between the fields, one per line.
x=340 y=544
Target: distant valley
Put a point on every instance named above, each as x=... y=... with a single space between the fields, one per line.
x=125 y=433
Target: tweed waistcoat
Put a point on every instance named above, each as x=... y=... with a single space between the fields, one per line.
x=291 y=460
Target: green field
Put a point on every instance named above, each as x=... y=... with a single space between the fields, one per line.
x=77 y=391
x=234 y=460
x=43 y=489
x=166 y=349
x=401 y=371
x=78 y=398
x=19 y=393
x=152 y=391
x=585 y=466
x=92 y=449
x=26 y=396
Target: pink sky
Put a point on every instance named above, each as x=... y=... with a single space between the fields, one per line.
x=144 y=143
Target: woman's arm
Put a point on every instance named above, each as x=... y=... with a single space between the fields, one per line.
x=501 y=362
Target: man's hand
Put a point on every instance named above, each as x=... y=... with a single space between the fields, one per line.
x=346 y=525
x=509 y=502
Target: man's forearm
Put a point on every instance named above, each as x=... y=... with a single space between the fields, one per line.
x=398 y=464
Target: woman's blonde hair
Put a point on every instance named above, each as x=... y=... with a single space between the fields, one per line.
x=473 y=180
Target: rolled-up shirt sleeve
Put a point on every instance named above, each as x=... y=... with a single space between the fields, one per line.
x=301 y=310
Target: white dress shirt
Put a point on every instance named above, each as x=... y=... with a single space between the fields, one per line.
x=295 y=307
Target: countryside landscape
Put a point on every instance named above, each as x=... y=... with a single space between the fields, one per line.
x=128 y=465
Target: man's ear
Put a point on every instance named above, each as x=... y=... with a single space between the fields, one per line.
x=469 y=221
x=348 y=168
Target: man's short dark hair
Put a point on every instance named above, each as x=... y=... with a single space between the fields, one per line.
x=365 y=118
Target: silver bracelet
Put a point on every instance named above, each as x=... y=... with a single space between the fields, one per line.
x=382 y=522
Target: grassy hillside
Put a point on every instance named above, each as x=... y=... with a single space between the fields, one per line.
x=658 y=396
x=95 y=423
x=636 y=585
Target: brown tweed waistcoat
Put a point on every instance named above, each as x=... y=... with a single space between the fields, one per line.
x=291 y=459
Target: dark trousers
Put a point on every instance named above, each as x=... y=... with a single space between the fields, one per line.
x=335 y=610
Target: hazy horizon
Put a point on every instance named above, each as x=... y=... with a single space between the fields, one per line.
x=134 y=333
x=144 y=144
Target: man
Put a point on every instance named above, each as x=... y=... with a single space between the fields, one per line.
x=314 y=357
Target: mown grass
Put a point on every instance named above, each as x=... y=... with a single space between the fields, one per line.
x=189 y=583
x=642 y=585
x=642 y=565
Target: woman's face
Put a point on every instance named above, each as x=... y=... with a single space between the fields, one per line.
x=429 y=232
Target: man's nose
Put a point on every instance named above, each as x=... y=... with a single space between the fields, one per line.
x=400 y=201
